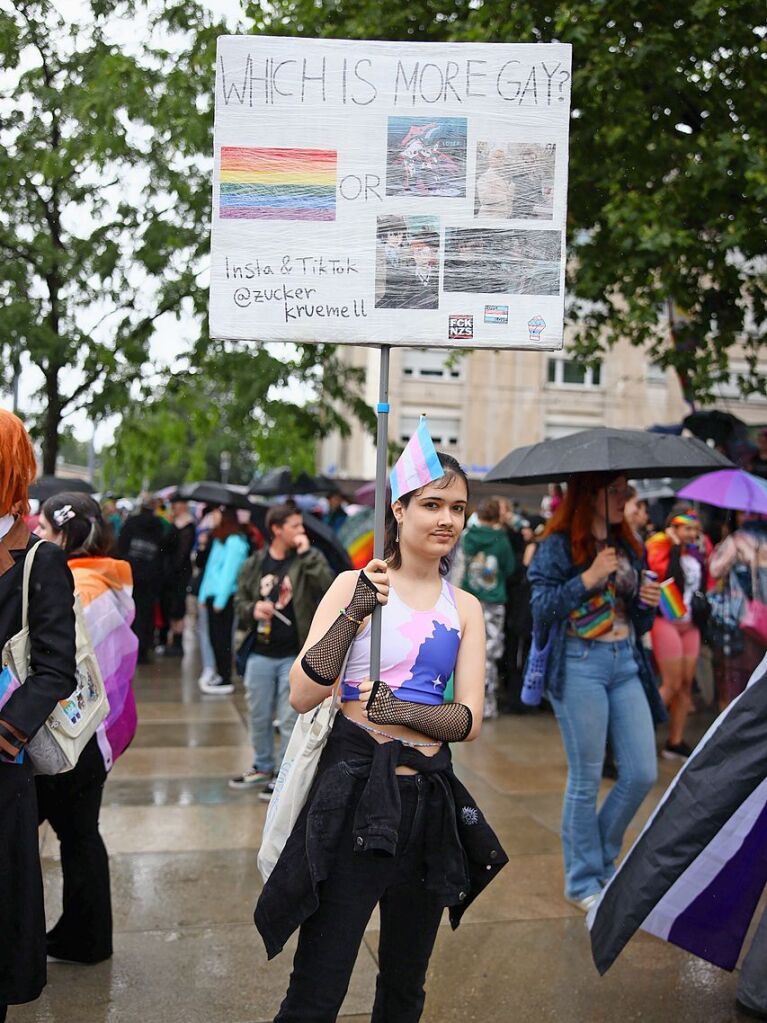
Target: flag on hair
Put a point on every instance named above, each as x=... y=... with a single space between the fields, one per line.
x=418 y=464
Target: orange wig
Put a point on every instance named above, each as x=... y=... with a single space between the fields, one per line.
x=18 y=467
x=576 y=513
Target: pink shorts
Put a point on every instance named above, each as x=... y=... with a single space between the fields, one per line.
x=674 y=640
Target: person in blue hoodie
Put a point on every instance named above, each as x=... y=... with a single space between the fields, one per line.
x=229 y=550
x=489 y=563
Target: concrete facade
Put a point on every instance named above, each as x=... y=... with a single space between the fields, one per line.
x=484 y=403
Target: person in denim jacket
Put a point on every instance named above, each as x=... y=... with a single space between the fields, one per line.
x=588 y=600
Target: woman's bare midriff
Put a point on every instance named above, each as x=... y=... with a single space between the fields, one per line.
x=354 y=712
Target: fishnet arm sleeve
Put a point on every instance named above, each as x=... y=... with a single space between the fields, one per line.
x=323 y=661
x=448 y=722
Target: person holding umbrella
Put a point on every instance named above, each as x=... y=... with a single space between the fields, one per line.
x=589 y=601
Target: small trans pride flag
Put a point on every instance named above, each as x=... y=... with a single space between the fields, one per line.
x=417 y=465
x=672 y=604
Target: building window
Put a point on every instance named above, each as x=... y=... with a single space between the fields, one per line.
x=445 y=430
x=430 y=364
x=564 y=373
x=655 y=374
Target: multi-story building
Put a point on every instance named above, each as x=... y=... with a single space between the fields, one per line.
x=482 y=404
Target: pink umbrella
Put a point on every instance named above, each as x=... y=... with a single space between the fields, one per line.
x=729 y=488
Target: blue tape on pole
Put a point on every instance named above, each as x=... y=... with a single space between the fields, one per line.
x=381 y=407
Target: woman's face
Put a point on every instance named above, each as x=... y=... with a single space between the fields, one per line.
x=686 y=534
x=636 y=513
x=46 y=532
x=616 y=494
x=433 y=520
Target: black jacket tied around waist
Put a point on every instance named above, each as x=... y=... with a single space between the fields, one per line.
x=357 y=776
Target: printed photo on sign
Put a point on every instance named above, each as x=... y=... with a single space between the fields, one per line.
x=407 y=263
x=426 y=156
x=502 y=262
x=514 y=180
x=277 y=184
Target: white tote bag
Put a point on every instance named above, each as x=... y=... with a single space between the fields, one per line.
x=297 y=772
x=73 y=722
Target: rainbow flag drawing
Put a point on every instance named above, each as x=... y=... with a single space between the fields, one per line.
x=277 y=184
x=672 y=605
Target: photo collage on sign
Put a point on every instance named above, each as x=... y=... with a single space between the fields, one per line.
x=513 y=181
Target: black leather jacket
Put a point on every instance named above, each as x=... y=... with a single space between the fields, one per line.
x=356 y=775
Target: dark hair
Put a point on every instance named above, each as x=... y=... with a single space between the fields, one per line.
x=489 y=510
x=229 y=525
x=279 y=514
x=83 y=527
x=392 y=553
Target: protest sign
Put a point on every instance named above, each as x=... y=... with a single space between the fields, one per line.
x=388 y=193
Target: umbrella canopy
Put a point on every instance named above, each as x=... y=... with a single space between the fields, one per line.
x=210 y=492
x=720 y=427
x=321 y=536
x=635 y=452
x=276 y=481
x=729 y=488
x=49 y=486
x=319 y=484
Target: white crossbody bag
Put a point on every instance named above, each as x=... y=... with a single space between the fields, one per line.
x=74 y=721
x=297 y=772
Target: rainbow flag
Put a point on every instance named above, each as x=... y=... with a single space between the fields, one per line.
x=277 y=184
x=417 y=465
x=356 y=534
x=672 y=606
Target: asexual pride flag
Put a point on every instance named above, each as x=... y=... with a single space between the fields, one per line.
x=277 y=184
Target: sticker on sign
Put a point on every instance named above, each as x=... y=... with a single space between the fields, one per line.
x=496 y=314
x=460 y=327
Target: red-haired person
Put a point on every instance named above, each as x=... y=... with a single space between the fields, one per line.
x=23 y=710
x=674 y=554
x=591 y=606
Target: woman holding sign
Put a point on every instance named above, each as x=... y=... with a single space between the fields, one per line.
x=387 y=823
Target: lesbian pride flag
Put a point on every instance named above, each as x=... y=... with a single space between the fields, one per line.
x=672 y=606
x=277 y=184
x=417 y=465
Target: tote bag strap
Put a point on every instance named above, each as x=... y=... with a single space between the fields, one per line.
x=28 y=562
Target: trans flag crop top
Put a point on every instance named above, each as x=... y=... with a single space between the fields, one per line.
x=418 y=650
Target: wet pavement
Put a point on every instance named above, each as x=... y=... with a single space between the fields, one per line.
x=183 y=858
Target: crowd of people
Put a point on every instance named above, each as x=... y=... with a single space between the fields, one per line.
x=619 y=607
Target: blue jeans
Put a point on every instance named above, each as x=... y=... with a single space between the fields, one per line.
x=267 y=689
x=207 y=658
x=602 y=697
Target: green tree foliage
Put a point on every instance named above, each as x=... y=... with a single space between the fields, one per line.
x=104 y=192
x=105 y=175
x=668 y=172
x=265 y=406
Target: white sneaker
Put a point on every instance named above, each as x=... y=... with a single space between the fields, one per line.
x=216 y=686
x=586 y=903
x=208 y=674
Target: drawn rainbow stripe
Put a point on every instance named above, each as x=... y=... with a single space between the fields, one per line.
x=277 y=184
x=672 y=605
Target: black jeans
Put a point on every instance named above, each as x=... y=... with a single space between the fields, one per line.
x=330 y=939
x=220 y=624
x=71 y=802
x=144 y=598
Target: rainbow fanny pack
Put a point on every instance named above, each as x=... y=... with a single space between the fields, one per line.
x=595 y=616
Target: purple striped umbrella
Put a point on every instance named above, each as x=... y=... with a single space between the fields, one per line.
x=729 y=488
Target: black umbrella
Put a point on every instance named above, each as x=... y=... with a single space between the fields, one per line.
x=49 y=486
x=276 y=481
x=637 y=453
x=321 y=536
x=720 y=427
x=319 y=484
x=210 y=492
